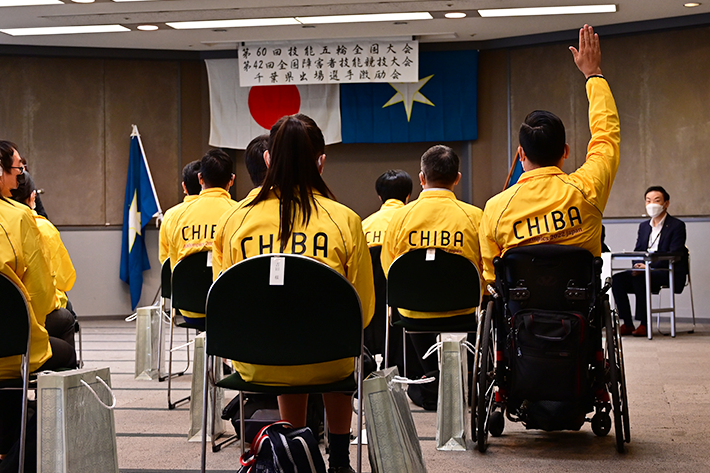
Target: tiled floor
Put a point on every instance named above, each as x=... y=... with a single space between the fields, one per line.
x=669 y=393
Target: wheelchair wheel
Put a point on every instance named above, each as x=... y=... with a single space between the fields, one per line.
x=622 y=383
x=485 y=380
x=615 y=382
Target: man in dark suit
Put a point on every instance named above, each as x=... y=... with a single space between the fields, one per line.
x=663 y=234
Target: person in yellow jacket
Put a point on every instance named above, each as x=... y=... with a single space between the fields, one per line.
x=393 y=188
x=195 y=223
x=256 y=168
x=23 y=260
x=295 y=213
x=437 y=219
x=60 y=261
x=547 y=205
x=191 y=188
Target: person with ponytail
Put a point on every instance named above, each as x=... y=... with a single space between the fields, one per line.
x=295 y=212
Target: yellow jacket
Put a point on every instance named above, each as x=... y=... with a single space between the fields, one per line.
x=437 y=219
x=333 y=236
x=550 y=206
x=195 y=225
x=375 y=225
x=24 y=261
x=219 y=236
x=166 y=228
x=60 y=262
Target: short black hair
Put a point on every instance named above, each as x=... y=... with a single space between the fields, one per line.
x=7 y=151
x=254 y=159
x=658 y=189
x=440 y=165
x=216 y=168
x=190 y=177
x=394 y=184
x=542 y=136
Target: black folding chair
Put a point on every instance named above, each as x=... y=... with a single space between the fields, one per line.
x=312 y=316
x=432 y=280
x=190 y=283
x=15 y=340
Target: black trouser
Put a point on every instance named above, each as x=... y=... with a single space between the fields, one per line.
x=634 y=282
x=60 y=323
x=63 y=356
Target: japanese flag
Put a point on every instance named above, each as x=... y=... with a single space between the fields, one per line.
x=238 y=114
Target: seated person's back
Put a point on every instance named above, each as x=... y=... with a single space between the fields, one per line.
x=195 y=224
x=437 y=219
x=547 y=205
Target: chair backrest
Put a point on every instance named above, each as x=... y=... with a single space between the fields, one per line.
x=548 y=277
x=191 y=282
x=313 y=317
x=15 y=316
x=165 y=279
x=433 y=280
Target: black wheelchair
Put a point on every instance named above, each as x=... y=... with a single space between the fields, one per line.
x=550 y=350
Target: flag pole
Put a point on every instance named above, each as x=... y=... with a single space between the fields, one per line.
x=512 y=168
x=150 y=175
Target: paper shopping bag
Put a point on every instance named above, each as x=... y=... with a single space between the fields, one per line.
x=148 y=320
x=75 y=427
x=195 y=432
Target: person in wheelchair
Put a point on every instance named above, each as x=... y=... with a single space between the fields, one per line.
x=540 y=243
x=547 y=205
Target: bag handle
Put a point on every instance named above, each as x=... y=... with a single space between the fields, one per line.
x=113 y=396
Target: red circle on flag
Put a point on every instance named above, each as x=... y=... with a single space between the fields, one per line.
x=268 y=103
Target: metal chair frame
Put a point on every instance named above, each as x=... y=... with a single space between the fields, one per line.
x=15 y=311
x=303 y=327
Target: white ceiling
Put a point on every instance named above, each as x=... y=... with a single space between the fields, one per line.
x=157 y=12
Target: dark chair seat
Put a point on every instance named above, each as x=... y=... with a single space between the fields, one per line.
x=235 y=382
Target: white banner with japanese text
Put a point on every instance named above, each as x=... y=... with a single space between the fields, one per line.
x=328 y=62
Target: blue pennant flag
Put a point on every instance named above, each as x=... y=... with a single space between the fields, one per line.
x=516 y=170
x=440 y=107
x=141 y=205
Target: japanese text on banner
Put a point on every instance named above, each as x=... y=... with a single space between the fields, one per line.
x=328 y=62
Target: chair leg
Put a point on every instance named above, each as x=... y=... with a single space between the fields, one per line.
x=404 y=352
x=205 y=394
x=692 y=306
x=23 y=421
x=80 y=363
x=173 y=405
x=387 y=337
x=359 y=414
x=242 y=427
x=161 y=341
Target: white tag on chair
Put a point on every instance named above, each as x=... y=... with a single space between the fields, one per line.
x=209 y=259
x=276 y=275
x=430 y=254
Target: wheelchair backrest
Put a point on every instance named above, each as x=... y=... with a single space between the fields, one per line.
x=548 y=277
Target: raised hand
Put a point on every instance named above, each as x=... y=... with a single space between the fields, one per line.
x=588 y=57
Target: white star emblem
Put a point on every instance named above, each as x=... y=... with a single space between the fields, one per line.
x=134 y=221
x=408 y=93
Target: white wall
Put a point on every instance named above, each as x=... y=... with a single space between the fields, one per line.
x=96 y=254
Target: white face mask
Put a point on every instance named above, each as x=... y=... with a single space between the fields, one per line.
x=654 y=210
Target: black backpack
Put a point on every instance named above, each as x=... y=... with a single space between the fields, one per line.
x=279 y=448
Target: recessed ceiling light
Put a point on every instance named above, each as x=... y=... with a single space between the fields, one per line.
x=83 y=1
x=455 y=14
x=211 y=24
x=319 y=20
x=540 y=11
x=147 y=27
x=692 y=4
x=28 y=3
x=52 y=30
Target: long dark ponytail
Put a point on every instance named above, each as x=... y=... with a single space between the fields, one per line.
x=295 y=144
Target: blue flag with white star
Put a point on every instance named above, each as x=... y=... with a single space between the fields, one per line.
x=140 y=205
x=440 y=107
